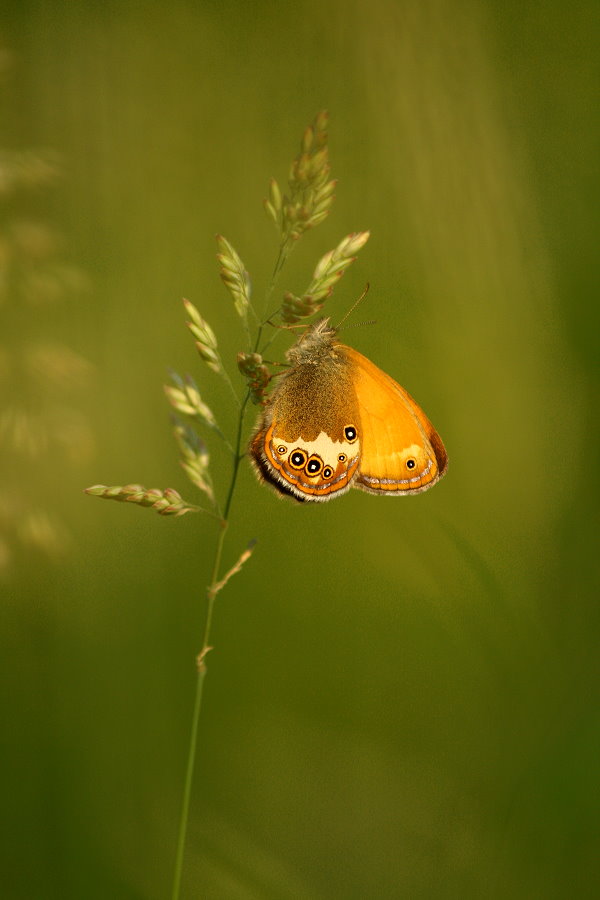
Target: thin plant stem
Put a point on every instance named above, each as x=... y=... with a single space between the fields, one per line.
x=226 y=377
x=211 y=595
x=187 y=791
x=282 y=256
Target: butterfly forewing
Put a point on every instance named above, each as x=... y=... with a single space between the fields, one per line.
x=401 y=452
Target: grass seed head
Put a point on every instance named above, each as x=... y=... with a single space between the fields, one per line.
x=167 y=503
x=234 y=276
x=256 y=373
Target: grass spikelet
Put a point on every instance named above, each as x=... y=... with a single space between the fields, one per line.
x=194 y=457
x=311 y=191
x=273 y=203
x=338 y=259
x=328 y=271
x=234 y=276
x=256 y=373
x=245 y=556
x=206 y=341
x=294 y=308
x=166 y=503
x=185 y=397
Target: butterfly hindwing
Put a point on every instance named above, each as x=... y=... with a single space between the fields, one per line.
x=307 y=444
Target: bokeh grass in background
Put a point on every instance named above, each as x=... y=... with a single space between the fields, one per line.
x=402 y=699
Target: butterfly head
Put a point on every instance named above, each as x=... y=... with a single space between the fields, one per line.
x=313 y=344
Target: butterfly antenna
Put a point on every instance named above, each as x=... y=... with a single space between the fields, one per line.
x=353 y=307
x=360 y=324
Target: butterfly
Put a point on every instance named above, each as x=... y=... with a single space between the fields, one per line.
x=336 y=421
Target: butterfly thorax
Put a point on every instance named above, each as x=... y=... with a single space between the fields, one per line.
x=314 y=345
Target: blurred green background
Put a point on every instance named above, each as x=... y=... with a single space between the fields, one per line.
x=402 y=699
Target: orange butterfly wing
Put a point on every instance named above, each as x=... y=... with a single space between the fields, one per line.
x=401 y=452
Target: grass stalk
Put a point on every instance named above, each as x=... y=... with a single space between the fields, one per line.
x=211 y=595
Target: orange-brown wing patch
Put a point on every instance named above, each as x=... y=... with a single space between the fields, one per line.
x=401 y=452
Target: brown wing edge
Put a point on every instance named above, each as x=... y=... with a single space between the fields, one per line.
x=263 y=472
x=440 y=452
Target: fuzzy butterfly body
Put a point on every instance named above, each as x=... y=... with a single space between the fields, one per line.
x=336 y=421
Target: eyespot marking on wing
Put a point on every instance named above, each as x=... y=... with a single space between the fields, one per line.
x=415 y=463
x=312 y=470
